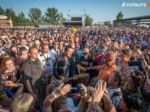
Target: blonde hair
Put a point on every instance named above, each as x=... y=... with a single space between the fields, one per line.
x=22 y=103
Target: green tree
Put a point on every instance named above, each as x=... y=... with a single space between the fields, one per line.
x=11 y=15
x=35 y=15
x=120 y=16
x=21 y=19
x=61 y=18
x=43 y=21
x=107 y=23
x=21 y=15
x=52 y=16
x=129 y=23
x=2 y=11
x=28 y=22
x=88 y=21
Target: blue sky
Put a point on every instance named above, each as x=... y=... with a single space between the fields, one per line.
x=99 y=10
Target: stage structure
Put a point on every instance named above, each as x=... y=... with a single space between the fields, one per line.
x=5 y=22
x=74 y=21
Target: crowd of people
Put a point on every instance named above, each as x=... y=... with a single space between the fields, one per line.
x=66 y=69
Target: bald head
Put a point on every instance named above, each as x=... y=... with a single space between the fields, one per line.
x=33 y=52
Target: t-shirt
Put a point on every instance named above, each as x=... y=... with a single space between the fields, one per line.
x=79 y=53
x=31 y=70
x=116 y=96
x=99 y=59
x=47 y=63
x=85 y=62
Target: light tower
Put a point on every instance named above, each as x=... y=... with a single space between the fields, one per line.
x=68 y=15
x=84 y=15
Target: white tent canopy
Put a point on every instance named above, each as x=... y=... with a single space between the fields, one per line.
x=3 y=17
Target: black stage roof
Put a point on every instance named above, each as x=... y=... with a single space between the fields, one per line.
x=134 y=18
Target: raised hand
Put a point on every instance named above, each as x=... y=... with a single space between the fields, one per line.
x=62 y=89
x=99 y=91
x=10 y=84
x=108 y=105
x=106 y=96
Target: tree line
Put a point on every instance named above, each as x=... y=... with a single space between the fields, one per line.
x=51 y=17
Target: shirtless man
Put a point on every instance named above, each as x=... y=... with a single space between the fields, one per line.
x=108 y=68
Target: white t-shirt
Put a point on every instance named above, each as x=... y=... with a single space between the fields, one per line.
x=47 y=63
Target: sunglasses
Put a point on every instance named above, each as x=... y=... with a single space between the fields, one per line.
x=85 y=53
